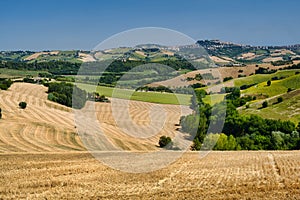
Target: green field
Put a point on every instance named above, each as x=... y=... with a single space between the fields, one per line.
x=288 y=109
x=214 y=98
x=152 y=97
x=13 y=73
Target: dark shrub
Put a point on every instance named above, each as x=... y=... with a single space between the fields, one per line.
x=164 y=141
x=22 y=104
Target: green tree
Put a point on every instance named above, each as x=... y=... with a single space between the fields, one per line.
x=298 y=128
x=279 y=99
x=265 y=104
x=260 y=141
x=227 y=78
x=5 y=83
x=210 y=141
x=67 y=94
x=226 y=143
x=236 y=93
x=269 y=83
x=164 y=141
x=231 y=143
x=200 y=94
x=190 y=123
x=22 y=104
x=245 y=142
x=222 y=142
x=196 y=145
x=277 y=140
x=194 y=103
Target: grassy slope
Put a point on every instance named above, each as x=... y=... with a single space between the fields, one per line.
x=259 y=78
x=288 y=109
x=214 y=98
x=276 y=88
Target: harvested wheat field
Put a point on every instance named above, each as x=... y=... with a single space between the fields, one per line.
x=42 y=156
x=46 y=126
x=42 y=126
x=219 y=175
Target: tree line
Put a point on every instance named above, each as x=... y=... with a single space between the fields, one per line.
x=67 y=94
x=239 y=132
x=70 y=95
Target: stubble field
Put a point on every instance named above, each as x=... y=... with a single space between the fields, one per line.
x=219 y=175
x=42 y=157
x=45 y=126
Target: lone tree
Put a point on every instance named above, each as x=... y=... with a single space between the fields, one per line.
x=0 y=113
x=265 y=104
x=164 y=141
x=269 y=83
x=279 y=99
x=22 y=104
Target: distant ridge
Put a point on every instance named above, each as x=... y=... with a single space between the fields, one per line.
x=223 y=53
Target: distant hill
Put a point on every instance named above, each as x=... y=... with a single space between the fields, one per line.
x=239 y=53
x=222 y=53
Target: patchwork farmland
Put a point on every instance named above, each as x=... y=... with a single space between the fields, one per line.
x=43 y=157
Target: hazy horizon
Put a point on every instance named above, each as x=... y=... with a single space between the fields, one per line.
x=45 y=50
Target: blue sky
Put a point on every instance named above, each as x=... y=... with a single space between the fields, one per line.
x=74 y=24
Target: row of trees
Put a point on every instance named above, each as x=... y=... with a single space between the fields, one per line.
x=67 y=94
x=117 y=66
x=160 y=88
x=276 y=141
x=95 y=96
x=262 y=70
x=54 y=67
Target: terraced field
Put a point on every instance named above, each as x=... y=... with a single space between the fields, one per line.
x=219 y=175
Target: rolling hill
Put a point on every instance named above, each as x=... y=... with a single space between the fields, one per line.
x=43 y=156
x=287 y=109
x=45 y=126
x=222 y=53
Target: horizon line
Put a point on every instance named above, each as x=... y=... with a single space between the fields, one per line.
x=72 y=49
